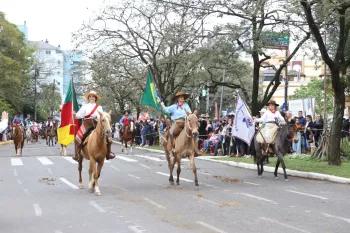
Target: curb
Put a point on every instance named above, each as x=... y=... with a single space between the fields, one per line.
x=5 y=143
x=308 y=175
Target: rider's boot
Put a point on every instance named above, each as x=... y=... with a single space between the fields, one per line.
x=110 y=154
x=77 y=151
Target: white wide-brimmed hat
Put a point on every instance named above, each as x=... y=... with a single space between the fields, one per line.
x=87 y=94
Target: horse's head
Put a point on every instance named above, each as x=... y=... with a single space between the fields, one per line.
x=192 y=123
x=292 y=133
x=105 y=120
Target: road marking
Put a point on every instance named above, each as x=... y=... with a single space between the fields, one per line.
x=283 y=224
x=206 y=200
x=251 y=183
x=19 y=182
x=68 y=183
x=306 y=194
x=136 y=177
x=15 y=173
x=211 y=227
x=115 y=168
x=154 y=203
x=37 y=210
x=99 y=208
x=125 y=158
x=136 y=229
x=70 y=160
x=164 y=174
x=26 y=192
x=107 y=161
x=151 y=158
x=203 y=173
x=58 y=231
x=259 y=198
x=45 y=161
x=120 y=188
x=212 y=186
x=49 y=171
x=16 y=162
x=145 y=166
x=337 y=217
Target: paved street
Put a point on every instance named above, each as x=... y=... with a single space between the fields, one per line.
x=39 y=193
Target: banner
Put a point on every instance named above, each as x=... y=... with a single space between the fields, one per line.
x=244 y=126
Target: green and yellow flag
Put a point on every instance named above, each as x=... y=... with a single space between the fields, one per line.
x=150 y=94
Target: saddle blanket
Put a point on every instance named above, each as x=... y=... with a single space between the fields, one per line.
x=80 y=133
x=269 y=132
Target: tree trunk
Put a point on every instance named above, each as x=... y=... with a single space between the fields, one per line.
x=255 y=92
x=338 y=113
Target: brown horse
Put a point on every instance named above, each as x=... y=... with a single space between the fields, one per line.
x=18 y=139
x=95 y=149
x=128 y=136
x=51 y=134
x=280 y=147
x=184 y=147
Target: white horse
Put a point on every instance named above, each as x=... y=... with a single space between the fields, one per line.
x=28 y=134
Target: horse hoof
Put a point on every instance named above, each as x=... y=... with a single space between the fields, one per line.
x=260 y=176
x=98 y=193
x=171 y=182
x=178 y=183
x=81 y=186
x=197 y=184
x=286 y=180
x=277 y=178
x=196 y=188
x=91 y=190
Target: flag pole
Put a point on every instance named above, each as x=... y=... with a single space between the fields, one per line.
x=73 y=116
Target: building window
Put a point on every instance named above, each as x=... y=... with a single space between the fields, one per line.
x=291 y=79
x=48 y=52
x=59 y=62
x=270 y=78
x=59 y=72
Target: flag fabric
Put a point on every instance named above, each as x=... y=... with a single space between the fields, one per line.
x=150 y=94
x=244 y=125
x=66 y=130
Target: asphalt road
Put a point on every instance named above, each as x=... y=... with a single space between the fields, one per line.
x=39 y=194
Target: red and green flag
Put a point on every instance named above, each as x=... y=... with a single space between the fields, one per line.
x=66 y=130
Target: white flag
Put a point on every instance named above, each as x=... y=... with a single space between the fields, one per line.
x=244 y=125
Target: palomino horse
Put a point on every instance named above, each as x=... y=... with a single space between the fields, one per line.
x=280 y=147
x=128 y=136
x=95 y=149
x=29 y=135
x=18 y=139
x=184 y=147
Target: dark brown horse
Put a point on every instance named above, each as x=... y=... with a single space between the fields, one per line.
x=128 y=136
x=18 y=139
x=51 y=134
x=280 y=147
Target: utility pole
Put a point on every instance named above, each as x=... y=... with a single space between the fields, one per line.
x=222 y=92
x=36 y=74
x=207 y=109
x=325 y=90
x=286 y=83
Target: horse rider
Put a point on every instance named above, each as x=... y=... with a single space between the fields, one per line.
x=178 y=112
x=18 y=120
x=89 y=112
x=125 y=120
x=4 y=121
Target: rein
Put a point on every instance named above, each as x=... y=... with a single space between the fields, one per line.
x=189 y=127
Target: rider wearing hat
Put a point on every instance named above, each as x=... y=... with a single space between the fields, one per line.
x=125 y=120
x=271 y=115
x=89 y=112
x=18 y=119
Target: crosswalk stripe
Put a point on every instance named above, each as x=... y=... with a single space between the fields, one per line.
x=45 y=161
x=70 y=160
x=125 y=158
x=16 y=162
x=151 y=158
x=184 y=179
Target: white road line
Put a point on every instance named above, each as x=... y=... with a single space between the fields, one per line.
x=15 y=173
x=203 y=173
x=107 y=161
x=45 y=161
x=16 y=162
x=133 y=176
x=58 y=231
x=145 y=166
x=115 y=168
x=337 y=217
x=37 y=210
x=251 y=183
x=150 y=158
x=259 y=198
x=19 y=182
x=154 y=203
x=99 y=208
x=49 y=171
x=26 y=192
x=306 y=194
x=164 y=174
x=211 y=227
x=283 y=224
x=136 y=229
x=125 y=158
x=206 y=200
x=212 y=186
x=70 y=159
x=68 y=183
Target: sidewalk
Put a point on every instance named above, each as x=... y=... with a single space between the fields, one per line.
x=308 y=175
x=5 y=143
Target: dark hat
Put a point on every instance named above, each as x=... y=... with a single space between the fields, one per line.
x=128 y=111
x=272 y=102
x=180 y=93
x=18 y=113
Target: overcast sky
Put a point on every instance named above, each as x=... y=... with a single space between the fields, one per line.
x=52 y=20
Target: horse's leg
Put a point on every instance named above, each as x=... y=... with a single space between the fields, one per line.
x=122 y=145
x=171 y=167
x=97 y=175
x=131 y=146
x=91 y=169
x=16 y=148
x=80 y=168
x=126 y=146
x=276 y=168
x=64 y=151
x=280 y=158
x=194 y=169
x=178 y=160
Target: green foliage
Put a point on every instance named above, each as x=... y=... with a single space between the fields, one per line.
x=45 y=101
x=345 y=148
x=315 y=89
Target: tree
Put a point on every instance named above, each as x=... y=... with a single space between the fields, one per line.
x=314 y=89
x=45 y=100
x=334 y=13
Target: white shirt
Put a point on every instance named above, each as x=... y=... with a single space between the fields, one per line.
x=3 y=125
x=86 y=109
x=269 y=116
